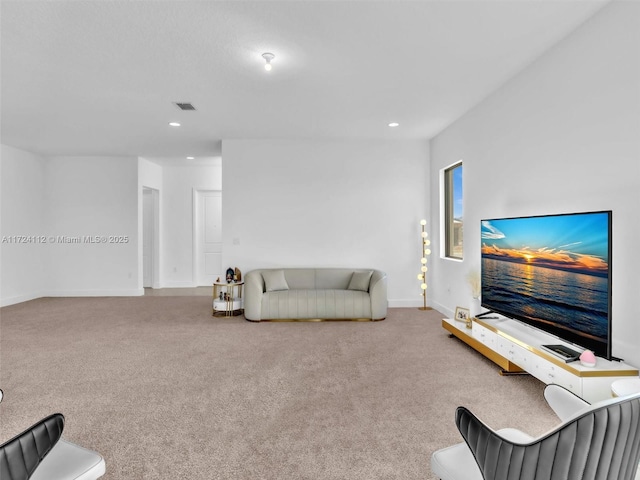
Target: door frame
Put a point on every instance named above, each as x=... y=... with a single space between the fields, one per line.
x=155 y=232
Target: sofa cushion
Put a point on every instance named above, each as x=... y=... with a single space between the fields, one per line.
x=360 y=281
x=274 y=280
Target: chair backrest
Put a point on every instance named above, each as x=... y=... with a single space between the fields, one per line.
x=601 y=443
x=564 y=403
x=20 y=456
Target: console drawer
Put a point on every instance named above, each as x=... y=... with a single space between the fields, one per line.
x=549 y=373
x=484 y=335
x=514 y=353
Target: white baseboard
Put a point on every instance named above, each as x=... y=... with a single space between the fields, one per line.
x=404 y=303
x=5 y=302
x=139 y=292
x=419 y=303
x=441 y=308
x=178 y=285
x=127 y=292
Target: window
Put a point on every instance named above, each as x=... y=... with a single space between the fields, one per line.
x=453 y=213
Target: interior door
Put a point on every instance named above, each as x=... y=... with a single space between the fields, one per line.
x=208 y=233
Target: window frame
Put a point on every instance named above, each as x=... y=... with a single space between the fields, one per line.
x=453 y=236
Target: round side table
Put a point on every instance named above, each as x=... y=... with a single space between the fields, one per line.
x=227 y=299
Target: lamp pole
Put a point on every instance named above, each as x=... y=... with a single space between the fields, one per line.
x=425 y=251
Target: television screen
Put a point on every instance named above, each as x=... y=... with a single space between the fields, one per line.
x=552 y=272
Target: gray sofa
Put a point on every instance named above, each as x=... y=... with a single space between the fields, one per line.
x=315 y=294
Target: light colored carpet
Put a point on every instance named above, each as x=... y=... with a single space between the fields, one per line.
x=163 y=390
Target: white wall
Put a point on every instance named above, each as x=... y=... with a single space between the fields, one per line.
x=334 y=203
x=71 y=197
x=563 y=136
x=92 y=196
x=149 y=174
x=22 y=192
x=176 y=213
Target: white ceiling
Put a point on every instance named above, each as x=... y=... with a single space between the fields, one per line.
x=99 y=77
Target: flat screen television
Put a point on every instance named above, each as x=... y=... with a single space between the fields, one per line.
x=552 y=272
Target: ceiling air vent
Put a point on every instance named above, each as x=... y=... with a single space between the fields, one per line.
x=185 y=106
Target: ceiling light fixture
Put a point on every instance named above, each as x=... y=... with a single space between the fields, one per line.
x=174 y=124
x=267 y=58
x=191 y=158
x=394 y=124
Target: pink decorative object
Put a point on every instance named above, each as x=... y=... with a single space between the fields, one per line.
x=588 y=359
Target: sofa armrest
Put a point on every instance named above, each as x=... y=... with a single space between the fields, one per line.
x=253 y=291
x=378 y=294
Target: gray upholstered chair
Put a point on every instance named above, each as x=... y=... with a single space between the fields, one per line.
x=595 y=442
x=40 y=453
x=21 y=456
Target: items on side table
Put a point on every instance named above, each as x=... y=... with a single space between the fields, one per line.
x=227 y=299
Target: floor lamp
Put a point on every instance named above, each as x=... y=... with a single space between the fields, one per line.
x=425 y=251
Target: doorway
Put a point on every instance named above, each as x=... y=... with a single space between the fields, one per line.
x=207 y=235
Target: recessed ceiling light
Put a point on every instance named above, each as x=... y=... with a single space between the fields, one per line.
x=394 y=124
x=174 y=124
x=191 y=158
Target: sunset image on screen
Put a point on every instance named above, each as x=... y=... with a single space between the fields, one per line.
x=569 y=243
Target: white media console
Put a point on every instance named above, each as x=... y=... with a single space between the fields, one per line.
x=516 y=347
